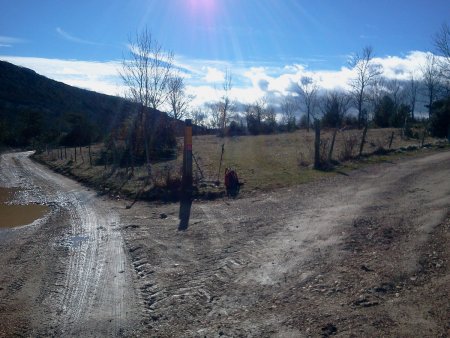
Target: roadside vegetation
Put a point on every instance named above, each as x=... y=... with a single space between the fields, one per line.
x=263 y=162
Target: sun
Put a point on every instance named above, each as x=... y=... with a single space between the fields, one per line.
x=202 y=8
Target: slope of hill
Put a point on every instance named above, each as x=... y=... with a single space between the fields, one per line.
x=35 y=108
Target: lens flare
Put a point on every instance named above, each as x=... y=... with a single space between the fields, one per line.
x=202 y=8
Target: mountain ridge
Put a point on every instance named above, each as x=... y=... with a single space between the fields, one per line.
x=30 y=100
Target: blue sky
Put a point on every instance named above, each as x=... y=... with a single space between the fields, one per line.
x=80 y=42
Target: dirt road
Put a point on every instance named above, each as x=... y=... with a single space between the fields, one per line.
x=363 y=254
x=358 y=255
x=66 y=275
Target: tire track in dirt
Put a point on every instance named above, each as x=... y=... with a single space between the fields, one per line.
x=92 y=296
x=289 y=261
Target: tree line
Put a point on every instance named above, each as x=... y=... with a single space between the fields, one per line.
x=140 y=133
x=153 y=81
x=371 y=99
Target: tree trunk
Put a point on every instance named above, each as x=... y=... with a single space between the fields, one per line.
x=363 y=140
x=404 y=127
x=317 y=145
x=131 y=160
x=360 y=117
x=147 y=150
x=81 y=155
x=90 y=156
x=392 y=139
x=430 y=103
x=330 y=154
x=307 y=120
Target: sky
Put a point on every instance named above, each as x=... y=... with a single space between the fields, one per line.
x=267 y=45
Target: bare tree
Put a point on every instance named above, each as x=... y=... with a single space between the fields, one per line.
x=270 y=119
x=442 y=43
x=431 y=78
x=288 y=109
x=198 y=117
x=411 y=91
x=395 y=90
x=146 y=73
x=308 y=89
x=255 y=114
x=225 y=105
x=376 y=92
x=334 y=106
x=367 y=73
x=177 y=97
x=214 y=112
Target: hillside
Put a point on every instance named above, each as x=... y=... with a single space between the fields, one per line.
x=34 y=108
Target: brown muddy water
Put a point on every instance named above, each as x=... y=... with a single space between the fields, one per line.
x=12 y=215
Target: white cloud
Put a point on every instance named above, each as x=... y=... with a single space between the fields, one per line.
x=214 y=75
x=72 y=38
x=98 y=76
x=399 y=68
x=251 y=81
x=9 y=41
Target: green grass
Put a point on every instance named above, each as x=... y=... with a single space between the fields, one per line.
x=262 y=162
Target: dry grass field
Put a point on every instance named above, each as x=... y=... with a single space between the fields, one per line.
x=262 y=162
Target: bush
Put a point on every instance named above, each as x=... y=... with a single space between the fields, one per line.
x=304 y=122
x=162 y=139
x=350 y=121
x=234 y=129
x=440 y=118
x=348 y=147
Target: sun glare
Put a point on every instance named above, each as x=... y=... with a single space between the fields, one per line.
x=203 y=8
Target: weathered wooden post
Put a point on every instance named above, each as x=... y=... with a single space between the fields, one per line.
x=187 y=157
x=363 y=140
x=423 y=137
x=390 y=141
x=330 y=154
x=220 y=164
x=317 y=145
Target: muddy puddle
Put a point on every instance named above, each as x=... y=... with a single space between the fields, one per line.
x=12 y=215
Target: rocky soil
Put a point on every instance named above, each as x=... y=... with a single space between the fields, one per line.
x=358 y=254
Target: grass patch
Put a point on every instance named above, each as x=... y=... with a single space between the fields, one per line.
x=263 y=162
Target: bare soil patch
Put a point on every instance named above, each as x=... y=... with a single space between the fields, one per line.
x=361 y=255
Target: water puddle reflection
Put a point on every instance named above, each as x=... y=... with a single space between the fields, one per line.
x=12 y=215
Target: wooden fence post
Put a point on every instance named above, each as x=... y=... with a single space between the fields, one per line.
x=317 y=144
x=330 y=154
x=363 y=140
x=187 y=157
x=390 y=141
